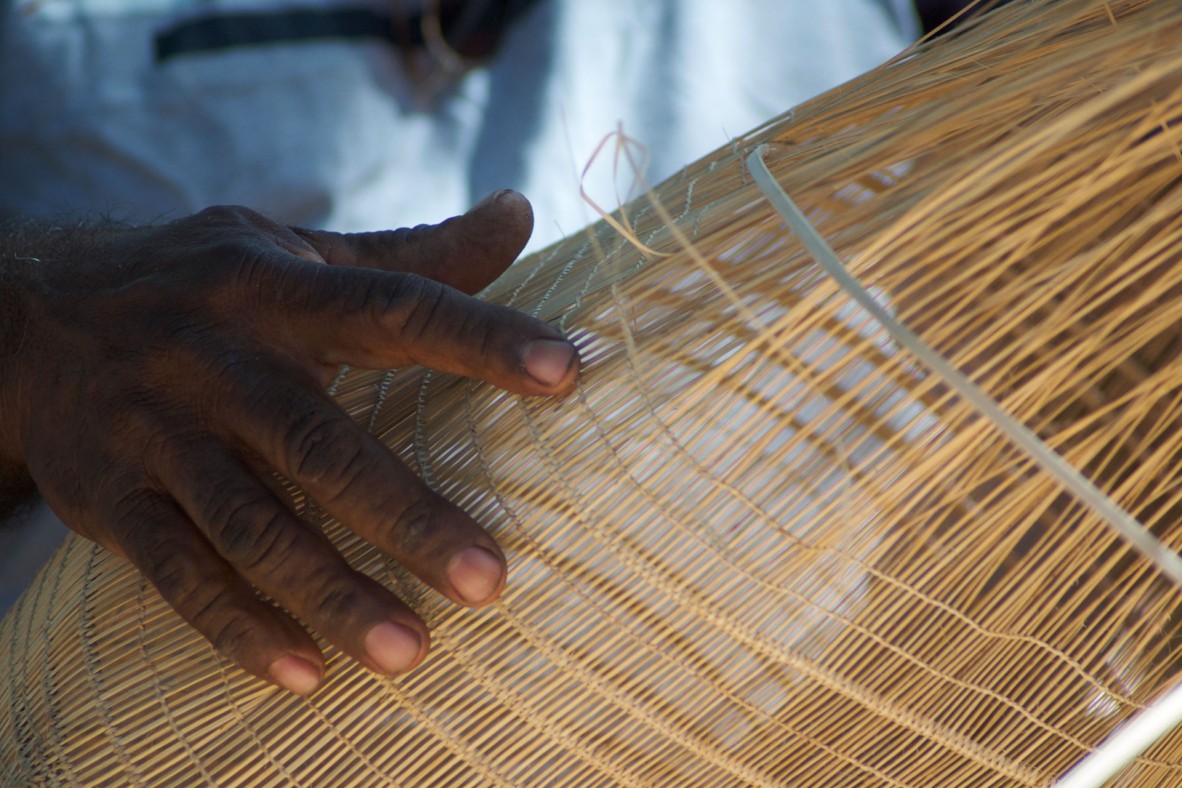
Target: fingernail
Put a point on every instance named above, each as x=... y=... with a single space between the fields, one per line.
x=548 y=360
x=476 y=575
x=393 y=647
x=295 y=675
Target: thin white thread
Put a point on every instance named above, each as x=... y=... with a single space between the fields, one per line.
x=1129 y=741
x=1067 y=475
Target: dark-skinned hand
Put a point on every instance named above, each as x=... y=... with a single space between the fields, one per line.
x=155 y=376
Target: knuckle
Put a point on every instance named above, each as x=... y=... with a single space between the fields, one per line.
x=216 y=614
x=147 y=536
x=432 y=312
x=326 y=453
x=422 y=233
x=249 y=529
x=173 y=575
x=174 y=572
x=412 y=306
x=491 y=341
x=380 y=244
x=337 y=597
x=417 y=526
x=250 y=275
x=235 y=246
x=234 y=633
x=231 y=373
x=133 y=508
x=229 y=215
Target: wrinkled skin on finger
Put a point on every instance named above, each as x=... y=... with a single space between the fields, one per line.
x=160 y=374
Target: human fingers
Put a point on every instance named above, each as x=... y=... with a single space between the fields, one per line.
x=350 y=474
x=165 y=545
x=376 y=320
x=291 y=562
x=465 y=252
x=277 y=291
x=210 y=311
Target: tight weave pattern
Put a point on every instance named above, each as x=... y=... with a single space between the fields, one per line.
x=761 y=544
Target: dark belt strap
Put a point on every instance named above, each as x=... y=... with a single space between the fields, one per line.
x=472 y=29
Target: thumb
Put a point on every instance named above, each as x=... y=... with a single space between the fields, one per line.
x=465 y=252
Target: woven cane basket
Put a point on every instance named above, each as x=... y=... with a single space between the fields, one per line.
x=763 y=542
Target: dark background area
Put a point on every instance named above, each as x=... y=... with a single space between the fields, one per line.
x=933 y=13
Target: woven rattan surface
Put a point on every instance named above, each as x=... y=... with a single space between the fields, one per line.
x=761 y=543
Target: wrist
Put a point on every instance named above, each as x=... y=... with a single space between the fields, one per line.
x=16 y=485
x=39 y=263
x=33 y=257
x=16 y=277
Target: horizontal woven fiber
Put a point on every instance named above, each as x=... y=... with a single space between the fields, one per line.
x=761 y=543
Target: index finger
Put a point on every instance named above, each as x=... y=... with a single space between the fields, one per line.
x=379 y=320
